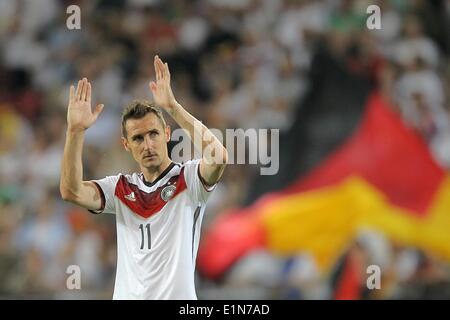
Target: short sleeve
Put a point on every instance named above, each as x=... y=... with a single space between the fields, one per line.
x=107 y=188
x=195 y=185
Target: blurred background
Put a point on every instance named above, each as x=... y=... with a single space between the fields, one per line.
x=311 y=69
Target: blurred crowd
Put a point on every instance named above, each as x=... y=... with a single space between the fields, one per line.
x=234 y=64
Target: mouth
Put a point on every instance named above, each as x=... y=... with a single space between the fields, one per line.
x=149 y=157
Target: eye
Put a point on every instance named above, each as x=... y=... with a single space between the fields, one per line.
x=138 y=138
x=154 y=133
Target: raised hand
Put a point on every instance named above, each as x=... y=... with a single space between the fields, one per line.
x=161 y=90
x=79 y=114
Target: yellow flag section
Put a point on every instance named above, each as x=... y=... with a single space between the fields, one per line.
x=324 y=222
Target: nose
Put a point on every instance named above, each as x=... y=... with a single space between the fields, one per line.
x=148 y=144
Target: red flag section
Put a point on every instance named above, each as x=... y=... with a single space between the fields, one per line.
x=232 y=235
x=385 y=153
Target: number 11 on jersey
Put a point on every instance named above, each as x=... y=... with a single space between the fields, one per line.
x=143 y=234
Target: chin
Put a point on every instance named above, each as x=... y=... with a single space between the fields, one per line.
x=151 y=163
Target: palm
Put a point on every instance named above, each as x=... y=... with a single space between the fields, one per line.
x=161 y=90
x=80 y=115
x=161 y=94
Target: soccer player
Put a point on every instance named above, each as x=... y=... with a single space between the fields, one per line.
x=159 y=210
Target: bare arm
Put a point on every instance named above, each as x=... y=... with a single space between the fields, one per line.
x=214 y=154
x=79 y=118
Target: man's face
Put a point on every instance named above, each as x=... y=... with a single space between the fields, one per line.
x=147 y=140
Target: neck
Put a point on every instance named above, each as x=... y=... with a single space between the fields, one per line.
x=151 y=174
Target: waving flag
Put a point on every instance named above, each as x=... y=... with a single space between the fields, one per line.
x=382 y=178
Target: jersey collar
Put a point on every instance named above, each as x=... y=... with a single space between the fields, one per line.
x=162 y=175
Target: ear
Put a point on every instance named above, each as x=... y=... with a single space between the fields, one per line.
x=167 y=132
x=125 y=144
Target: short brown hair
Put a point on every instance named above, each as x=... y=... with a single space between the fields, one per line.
x=138 y=109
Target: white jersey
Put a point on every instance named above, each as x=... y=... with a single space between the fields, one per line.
x=158 y=231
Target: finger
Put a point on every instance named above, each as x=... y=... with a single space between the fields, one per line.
x=161 y=68
x=72 y=94
x=167 y=71
x=84 y=90
x=98 y=109
x=152 y=86
x=157 y=75
x=78 y=95
x=81 y=94
x=88 y=92
x=164 y=71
